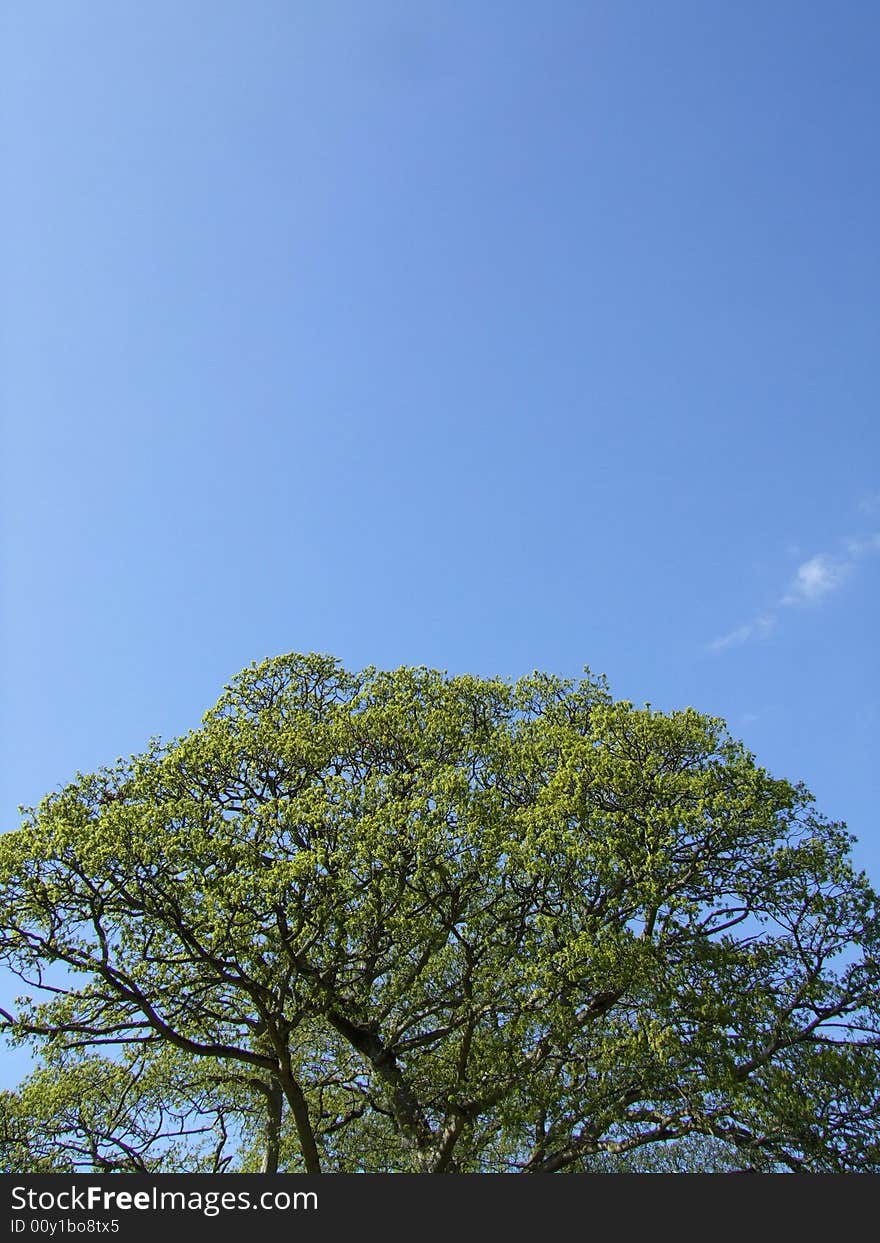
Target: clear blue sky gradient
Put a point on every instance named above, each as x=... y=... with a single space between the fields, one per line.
x=487 y=336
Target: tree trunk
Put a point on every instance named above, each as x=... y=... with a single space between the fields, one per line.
x=300 y=1110
x=274 y=1111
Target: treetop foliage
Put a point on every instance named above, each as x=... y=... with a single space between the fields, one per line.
x=406 y=921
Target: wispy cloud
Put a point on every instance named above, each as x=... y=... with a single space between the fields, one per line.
x=814 y=580
x=759 y=628
x=858 y=548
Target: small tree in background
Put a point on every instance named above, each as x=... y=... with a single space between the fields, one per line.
x=410 y=922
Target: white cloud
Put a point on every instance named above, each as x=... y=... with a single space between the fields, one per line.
x=759 y=628
x=733 y=638
x=814 y=580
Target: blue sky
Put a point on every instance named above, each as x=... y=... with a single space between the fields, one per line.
x=487 y=336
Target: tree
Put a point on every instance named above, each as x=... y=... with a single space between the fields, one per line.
x=410 y=922
x=134 y=1115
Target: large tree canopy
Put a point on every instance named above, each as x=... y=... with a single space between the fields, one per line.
x=411 y=922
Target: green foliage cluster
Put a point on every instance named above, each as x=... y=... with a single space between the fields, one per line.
x=402 y=921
